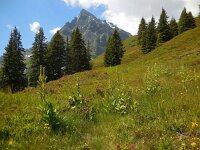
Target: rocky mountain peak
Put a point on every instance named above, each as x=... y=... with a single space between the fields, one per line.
x=94 y=30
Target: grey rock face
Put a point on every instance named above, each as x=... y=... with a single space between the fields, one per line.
x=94 y=30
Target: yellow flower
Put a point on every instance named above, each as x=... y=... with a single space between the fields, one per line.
x=194 y=145
x=194 y=125
x=10 y=142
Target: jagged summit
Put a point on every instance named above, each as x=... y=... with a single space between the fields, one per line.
x=94 y=30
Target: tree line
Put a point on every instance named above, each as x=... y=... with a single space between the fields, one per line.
x=150 y=35
x=59 y=57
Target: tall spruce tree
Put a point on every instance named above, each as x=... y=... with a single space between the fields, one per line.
x=13 y=67
x=68 y=61
x=163 y=29
x=191 y=21
x=173 y=27
x=151 y=39
x=55 y=57
x=39 y=50
x=186 y=21
x=78 y=53
x=114 y=50
x=141 y=31
x=183 y=22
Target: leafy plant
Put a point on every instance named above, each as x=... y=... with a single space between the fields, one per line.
x=81 y=105
x=49 y=114
x=119 y=98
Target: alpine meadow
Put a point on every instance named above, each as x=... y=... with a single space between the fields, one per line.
x=92 y=85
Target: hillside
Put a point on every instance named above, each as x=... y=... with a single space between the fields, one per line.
x=161 y=90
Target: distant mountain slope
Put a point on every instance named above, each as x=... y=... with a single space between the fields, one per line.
x=94 y=30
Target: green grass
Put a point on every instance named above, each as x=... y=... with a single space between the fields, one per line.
x=165 y=90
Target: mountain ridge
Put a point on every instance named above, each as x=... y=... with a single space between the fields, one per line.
x=94 y=30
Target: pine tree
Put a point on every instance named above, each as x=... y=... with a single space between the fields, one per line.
x=183 y=22
x=191 y=21
x=173 y=27
x=163 y=30
x=55 y=57
x=199 y=11
x=39 y=50
x=68 y=61
x=141 y=31
x=114 y=50
x=186 y=21
x=150 y=37
x=13 y=67
x=78 y=53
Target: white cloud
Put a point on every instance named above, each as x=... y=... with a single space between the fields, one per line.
x=9 y=26
x=126 y=14
x=34 y=27
x=53 y=31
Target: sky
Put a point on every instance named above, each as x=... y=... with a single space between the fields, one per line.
x=29 y=15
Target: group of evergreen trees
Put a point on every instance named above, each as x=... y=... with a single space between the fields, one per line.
x=57 y=56
x=150 y=36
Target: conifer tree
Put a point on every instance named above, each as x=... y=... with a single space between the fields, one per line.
x=183 y=22
x=141 y=31
x=163 y=30
x=150 y=42
x=114 y=50
x=13 y=67
x=55 y=57
x=173 y=27
x=186 y=21
x=191 y=21
x=78 y=53
x=39 y=50
x=68 y=62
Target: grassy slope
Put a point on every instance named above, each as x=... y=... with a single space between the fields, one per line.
x=158 y=121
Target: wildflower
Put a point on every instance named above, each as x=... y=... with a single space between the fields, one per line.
x=194 y=145
x=118 y=146
x=132 y=146
x=194 y=125
x=10 y=142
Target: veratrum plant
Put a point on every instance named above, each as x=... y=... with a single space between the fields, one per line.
x=151 y=80
x=120 y=99
x=49 y=114
x=81 y=105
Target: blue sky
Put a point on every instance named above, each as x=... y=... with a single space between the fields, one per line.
x=49 y=14
x=52 y=14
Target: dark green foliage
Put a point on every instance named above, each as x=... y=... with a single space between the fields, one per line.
x=55 y=57
x=150 y=41
x=173 y=28
x=78 y=54
x=163 y=29
x=183 y=21
x=13 y=67
x=68 y=60
x=141 y=31
x=114 y=50
x=199 y=11
x=186 y=21
x=191 y=21
x=39 y=50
